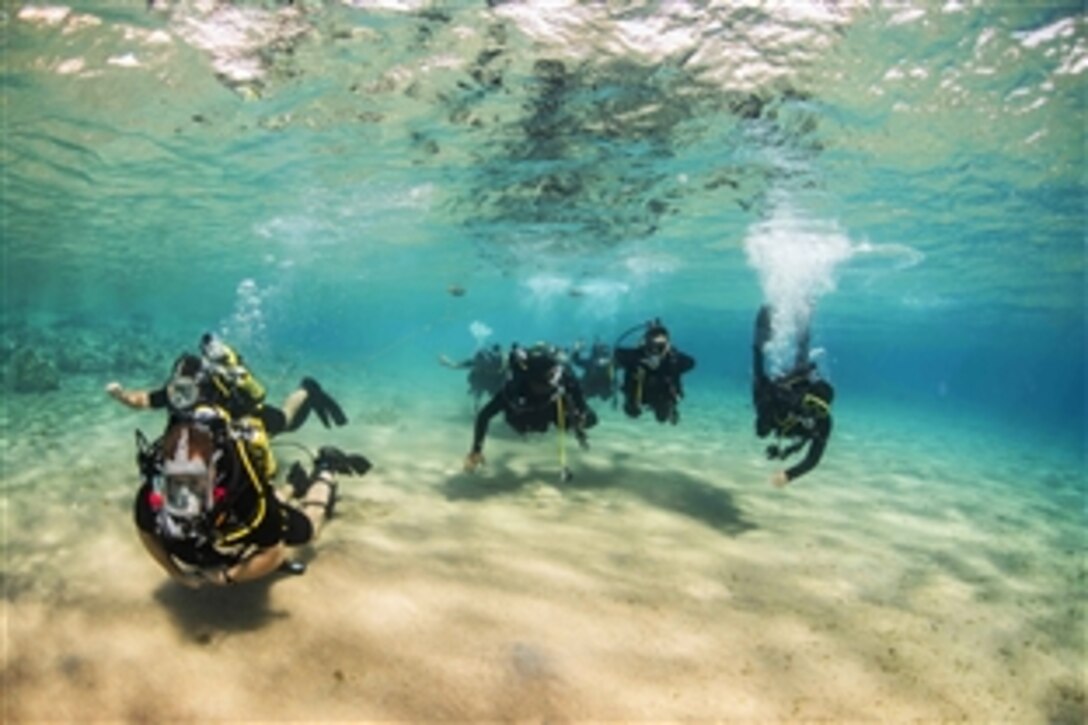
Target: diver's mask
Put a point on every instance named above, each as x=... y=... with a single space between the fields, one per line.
x=185 y=494
x=183 y=392
x=657 y=345
x=655 y=349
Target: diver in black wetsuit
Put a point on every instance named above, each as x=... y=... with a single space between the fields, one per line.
x=651 y=374
x=486 y=371
x=220 y=377
x=597 y=370
x=541 y=391
x=209 y=514
x=795 y=406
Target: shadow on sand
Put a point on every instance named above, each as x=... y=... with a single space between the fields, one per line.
x=668 y=489
x=201 y=614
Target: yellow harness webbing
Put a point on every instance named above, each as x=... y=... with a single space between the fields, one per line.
x=561 y=424
x=815 y=402
x=259 y=515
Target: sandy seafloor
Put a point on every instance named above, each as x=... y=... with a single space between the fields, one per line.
x=922 y=573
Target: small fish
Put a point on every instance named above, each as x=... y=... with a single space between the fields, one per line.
x=456 y=290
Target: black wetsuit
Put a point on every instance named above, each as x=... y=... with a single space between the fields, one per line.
x=795 y=406
x=249 y=518
x=531 y=409
x=658 y=387
x=597 y=373
x=487 y=373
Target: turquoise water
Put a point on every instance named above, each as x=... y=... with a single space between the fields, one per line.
x=311 y=179
x=314 y=180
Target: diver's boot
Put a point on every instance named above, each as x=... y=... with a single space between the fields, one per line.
x=330 y=460
x=330 y=503
x=299 y=481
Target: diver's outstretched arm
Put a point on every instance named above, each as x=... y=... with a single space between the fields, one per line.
x=453 y=365
x=138 y=399
x=814 y=453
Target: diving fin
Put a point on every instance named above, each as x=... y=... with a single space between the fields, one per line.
x=335 y=460
x=323 y=405
x=335 y=411
x=321 y=414
x=359 y=464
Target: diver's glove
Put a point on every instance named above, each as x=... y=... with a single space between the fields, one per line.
x=473 y=460
x=335 y=460
x=322 y=403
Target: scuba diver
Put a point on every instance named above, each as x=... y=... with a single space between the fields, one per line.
x=219 y=376
x=598 y=369
x=541 y=391
x=651 y=373
x=795 y=406
x=487 y=371
x=208 y=514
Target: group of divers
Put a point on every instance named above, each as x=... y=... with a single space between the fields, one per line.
x=208 y=510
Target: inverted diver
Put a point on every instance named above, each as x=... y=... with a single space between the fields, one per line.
x=795 y=406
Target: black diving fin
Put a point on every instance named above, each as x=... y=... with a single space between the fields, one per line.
x=323 y=404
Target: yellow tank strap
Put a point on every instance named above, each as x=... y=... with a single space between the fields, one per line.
x=253 y=431
x=259 y=515
x=815 y=402
x=561 y=426
x=230 y=355
x=220 y=385
x=251 y=386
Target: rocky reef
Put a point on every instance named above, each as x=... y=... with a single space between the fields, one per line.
x=37 y=358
